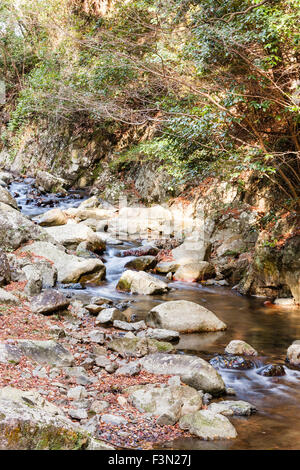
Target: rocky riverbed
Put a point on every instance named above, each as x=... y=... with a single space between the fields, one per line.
x=113 y=340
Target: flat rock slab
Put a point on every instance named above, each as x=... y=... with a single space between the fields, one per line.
x=232 y=408
x=138 y=347
x=160 y=334
x=139 y=282
x=49 y=301
x=192 y=370
x=208 y=425
x=70 y=268
x=185 y=317
x=43 y=352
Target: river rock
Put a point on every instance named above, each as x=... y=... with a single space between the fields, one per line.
x=142 y=263
x=29 y=422
x=109 y=315
x=134 y=326
x=192 y=370
x=16 y=229
x=160 y=334
x=8 y=298
x=7 y=198
x=52 y=218
x=139 y=282
x=167 y=403
x=293 y=354
x=230 y=408
x=138 y=347
x=184 y=316
x=49 y=182
x=30 y=268
x=189 y=252
x=240 y=347
x=133 y=368
x=34 y=280
x=231 y=362
x=5 y=275
x=43 y=352
x=70 y=268
x=49 y=301
x=165 y=267
x=272 y=370
x=193 y=272
x=71 y=234
x=208 y=425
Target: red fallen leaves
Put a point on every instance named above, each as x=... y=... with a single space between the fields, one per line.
x=140 y=430
x=165 y=255
x=13 y=286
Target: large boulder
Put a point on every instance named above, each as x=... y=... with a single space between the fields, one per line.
x=5 y=275
x=29 y=422
x=70 y=268
x=193 y=272
x=139 y=282
x=44 y=352
x=49 y=301
x=72 y=234
x=165 y=267
x=192 y=370
x=208 y=425
x=168 y=404
x=184 y=316
x=15 y=229
x=52 y=218
x=7 y=198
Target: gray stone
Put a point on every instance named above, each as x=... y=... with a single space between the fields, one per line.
x=139 y=282
x=184 y=316
x=5 y=275
x=192 y=370
x=29 y=422
x=49 y=301
x=113 y=420
x=208 y=425
x=134 y=326
x=8 y=298
x=43 y=352
x=70 y=268
x=108 y=315
x=230 y=408
x=240 y=347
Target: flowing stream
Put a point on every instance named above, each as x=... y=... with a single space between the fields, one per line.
x=276 y=425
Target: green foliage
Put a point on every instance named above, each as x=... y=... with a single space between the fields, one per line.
x=215 y=81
